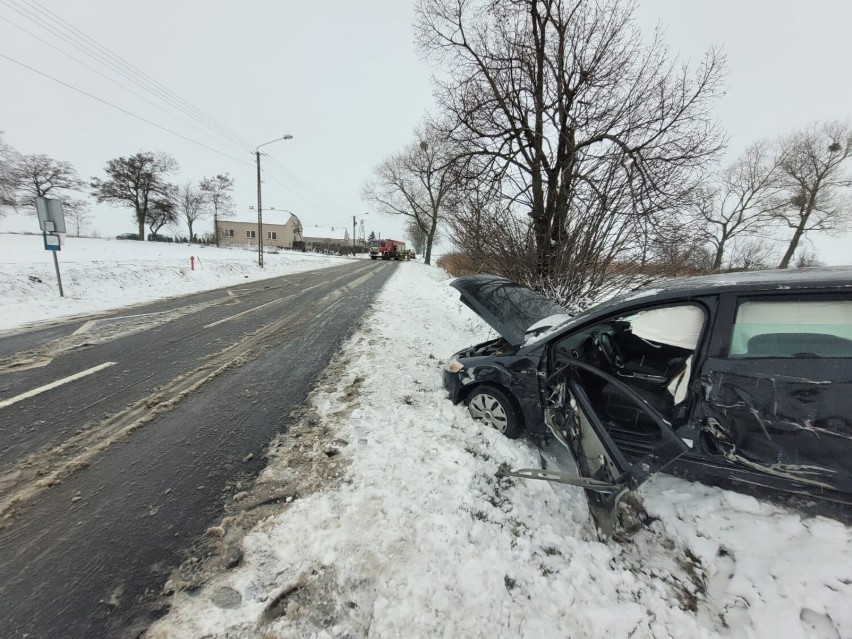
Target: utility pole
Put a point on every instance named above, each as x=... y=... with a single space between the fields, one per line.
x=259 y=216
x=259 y=206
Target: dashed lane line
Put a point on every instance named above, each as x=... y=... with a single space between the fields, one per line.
x=251 y=310
x=56 y=384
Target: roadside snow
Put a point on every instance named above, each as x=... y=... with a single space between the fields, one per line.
x=99 y=275
x=405 y=532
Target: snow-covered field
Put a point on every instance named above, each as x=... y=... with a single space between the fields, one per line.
x=381 y=516
x=99 y=275
x=379 y=513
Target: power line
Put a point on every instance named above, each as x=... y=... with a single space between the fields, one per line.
x=113 y=62
x=111 y=79
x=296 y=195
x=212 y=122
x=308 y=186
x=102 y=55
x=52 y=23
x=125 y=111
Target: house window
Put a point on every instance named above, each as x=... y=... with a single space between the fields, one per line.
x=793 y=329
x=271 y=235
x=250 y=235
x=228 y=233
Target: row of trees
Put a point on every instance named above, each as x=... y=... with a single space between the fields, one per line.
x=139 y=182
x=566 y=146
x=799 y=182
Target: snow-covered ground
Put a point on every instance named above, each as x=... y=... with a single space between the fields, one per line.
x=379 y=513
x=99 y=275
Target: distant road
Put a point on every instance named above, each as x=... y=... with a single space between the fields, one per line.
x=118 y=435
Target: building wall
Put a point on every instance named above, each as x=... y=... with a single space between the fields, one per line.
x=325 y=243
x=283 y=233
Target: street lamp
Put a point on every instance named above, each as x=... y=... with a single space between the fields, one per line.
x=286 y=136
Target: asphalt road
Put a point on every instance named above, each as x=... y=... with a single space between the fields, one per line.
x=119 y=434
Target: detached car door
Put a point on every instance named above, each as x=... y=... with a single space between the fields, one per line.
x=778 y=393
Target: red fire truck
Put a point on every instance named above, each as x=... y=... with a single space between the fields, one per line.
x=386 y=249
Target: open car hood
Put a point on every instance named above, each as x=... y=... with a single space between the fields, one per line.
x=509 y=308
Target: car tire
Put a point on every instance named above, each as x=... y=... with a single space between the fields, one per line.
x=494 y=407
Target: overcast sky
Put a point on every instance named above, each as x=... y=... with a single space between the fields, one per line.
x=345 y=80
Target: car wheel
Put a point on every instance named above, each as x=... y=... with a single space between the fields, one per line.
x=493 y=406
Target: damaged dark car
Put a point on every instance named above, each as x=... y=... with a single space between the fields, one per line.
x=742 y=378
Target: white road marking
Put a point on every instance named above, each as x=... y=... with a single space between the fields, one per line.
x=85 y=327
x=56 y=384
x=251 y=310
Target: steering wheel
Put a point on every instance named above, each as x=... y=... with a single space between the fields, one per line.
x=609 y=350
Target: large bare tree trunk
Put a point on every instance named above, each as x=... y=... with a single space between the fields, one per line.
x=794 y=243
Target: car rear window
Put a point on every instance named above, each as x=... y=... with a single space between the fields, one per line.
x=792 y=329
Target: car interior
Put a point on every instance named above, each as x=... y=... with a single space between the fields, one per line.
x=651 y=352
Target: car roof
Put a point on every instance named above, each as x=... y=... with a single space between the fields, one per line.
x=818 y=277
x=682 y=288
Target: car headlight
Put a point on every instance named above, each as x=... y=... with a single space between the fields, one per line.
x=453 y=365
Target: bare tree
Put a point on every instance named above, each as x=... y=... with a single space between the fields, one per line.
x=138 y=181
x=163 y=210
x=807 y=259
x=417 y=183
x=742 y=201
x=588 y=124
x=750 y=254
x=678 y=249
x=488 y=238
x=491 y=239
x=218 y=191
x=8 y=184
x=191 y=206
x=816 y=182
x=77 y=215
x=416 y=235
x=41 y=175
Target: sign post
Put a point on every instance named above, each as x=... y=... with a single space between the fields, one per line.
x=51 y=219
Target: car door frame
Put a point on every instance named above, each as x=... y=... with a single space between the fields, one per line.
x=605 y=493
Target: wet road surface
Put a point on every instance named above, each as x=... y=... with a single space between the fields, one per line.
x=119 y=434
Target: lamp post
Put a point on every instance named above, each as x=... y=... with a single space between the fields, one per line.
x=259 y=205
